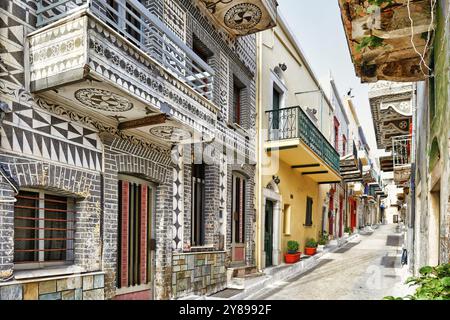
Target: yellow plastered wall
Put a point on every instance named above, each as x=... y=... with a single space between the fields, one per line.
x=294 y=189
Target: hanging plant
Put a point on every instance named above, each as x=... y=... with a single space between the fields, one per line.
x=379 y=3
x=369 y=42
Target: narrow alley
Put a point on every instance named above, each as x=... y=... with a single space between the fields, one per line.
x=367 y=268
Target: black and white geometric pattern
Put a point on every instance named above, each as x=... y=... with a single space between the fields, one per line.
x=178 y=199
x=37 y=133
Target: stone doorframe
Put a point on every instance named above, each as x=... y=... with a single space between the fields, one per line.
x=271 y=193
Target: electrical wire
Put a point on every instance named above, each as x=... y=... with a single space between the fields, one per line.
x=430 y=27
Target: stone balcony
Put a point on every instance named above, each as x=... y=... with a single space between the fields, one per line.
x=382 y=42
x=240 y=18
x=147 y=81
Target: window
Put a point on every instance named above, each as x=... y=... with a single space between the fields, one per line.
x=344 y=145
x=238 y=209
x=201 y=76
x=198 y=208
x=276 y=104
x=136 y=200
x=287 y=220
x=336 y=133
x=238 y=89
x=309 y=212
x=44 y=227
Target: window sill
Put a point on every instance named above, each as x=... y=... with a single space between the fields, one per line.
x=238 y=128
x=308 y=225
x=47 y=272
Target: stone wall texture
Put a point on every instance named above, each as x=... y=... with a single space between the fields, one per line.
x=76 y=287
x=198 y=273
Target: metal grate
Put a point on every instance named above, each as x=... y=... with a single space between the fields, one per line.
x=44 y=228
x=401 y=151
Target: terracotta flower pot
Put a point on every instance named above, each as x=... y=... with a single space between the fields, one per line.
x=310 y=251
x=292 y=257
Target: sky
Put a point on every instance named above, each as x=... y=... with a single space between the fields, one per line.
x=318 y=27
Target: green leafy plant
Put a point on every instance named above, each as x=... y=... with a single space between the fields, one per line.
x=433 y=284
x=311 y=243
x=379 y=3
x=292 y=246
x=323 y=238
x=347 y=230
x=369 y=42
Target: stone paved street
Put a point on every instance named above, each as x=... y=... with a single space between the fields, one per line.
x=365 y=269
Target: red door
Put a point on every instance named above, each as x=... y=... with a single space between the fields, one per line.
x=352 y=214
x=330 y=214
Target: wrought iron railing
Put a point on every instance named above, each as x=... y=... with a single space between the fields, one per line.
x=293 y=123
x=141 y=27
x=401 y=151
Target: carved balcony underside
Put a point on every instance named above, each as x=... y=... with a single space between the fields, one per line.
x=81 y=62
x=390 y=53
x=242 y=17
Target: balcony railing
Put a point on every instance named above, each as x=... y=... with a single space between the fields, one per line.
x=293 y=123
x=401 y=151
x=135 y=22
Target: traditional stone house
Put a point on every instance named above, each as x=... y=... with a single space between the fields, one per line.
x=429 y=220
x=127 y=153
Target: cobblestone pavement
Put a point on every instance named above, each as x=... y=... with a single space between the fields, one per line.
x=365 y=269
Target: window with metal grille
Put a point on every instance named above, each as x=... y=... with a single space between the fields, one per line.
x=238 y=91
x=239 y=201
x=309 y=212
x=136 y=200
x=44 y=228
x=198 y=205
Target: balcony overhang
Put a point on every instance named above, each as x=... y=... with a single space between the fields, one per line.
x=80 y=61
x=387 y=163
x=402 y=175
x=303 y=159
x=239 y=17
x=382 y=42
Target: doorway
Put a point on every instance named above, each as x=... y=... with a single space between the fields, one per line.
x=268 y=233
x=239 y=185
x=136 y=240
x=434 y=225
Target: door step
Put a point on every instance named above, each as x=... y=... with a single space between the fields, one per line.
x=242 y=271
x=238 y=275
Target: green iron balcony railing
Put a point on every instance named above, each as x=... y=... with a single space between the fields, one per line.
x=293 y=123
x=137 y=24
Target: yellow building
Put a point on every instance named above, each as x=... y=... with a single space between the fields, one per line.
x=296 y=162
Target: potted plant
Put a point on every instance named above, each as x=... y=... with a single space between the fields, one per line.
x=292 y=255
x=311 y=247
x=323 y=240
x=347 y=232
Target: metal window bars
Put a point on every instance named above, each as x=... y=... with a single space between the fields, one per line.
x=401 y=151
x=44 y=228
x=144 y=29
